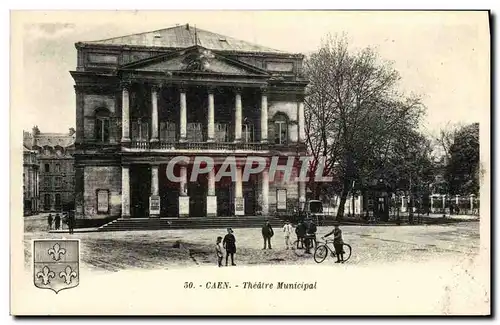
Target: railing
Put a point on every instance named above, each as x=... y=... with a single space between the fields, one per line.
x=162 y=145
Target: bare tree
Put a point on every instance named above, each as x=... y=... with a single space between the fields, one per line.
x=354 y=109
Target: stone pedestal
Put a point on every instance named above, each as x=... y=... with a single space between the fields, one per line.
x=211 y=206
x=183 y=206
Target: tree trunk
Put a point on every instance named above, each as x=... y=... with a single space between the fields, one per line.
x=343 y=199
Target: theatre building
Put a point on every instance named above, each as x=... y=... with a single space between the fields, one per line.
x=143 y=99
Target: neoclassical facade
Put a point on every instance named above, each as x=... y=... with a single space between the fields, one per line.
x=143 y=99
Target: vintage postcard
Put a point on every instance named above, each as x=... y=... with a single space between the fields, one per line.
x=250 y=163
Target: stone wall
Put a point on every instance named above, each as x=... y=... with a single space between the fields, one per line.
x=102 y=178
x=292 y=193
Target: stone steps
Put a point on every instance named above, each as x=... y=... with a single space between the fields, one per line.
x=188 y=223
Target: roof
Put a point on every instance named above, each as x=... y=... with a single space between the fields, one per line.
x=184 y=36
x=52 y=139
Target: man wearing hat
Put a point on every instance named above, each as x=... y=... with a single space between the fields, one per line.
x=229 y=244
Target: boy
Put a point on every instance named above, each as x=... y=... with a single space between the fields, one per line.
x=218 y=251
x=337 y=242
x=287 y=229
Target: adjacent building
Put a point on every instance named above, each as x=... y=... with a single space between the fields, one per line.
x=31 y=165
x=143 y=99
x=49 y=176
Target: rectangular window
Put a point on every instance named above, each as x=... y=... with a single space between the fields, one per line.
x=168 y=132
x=194 y=132
x=58 y=168
x=47 y=168
x=221 y=132
x=247 y=133
x=140 y=130
x=58 y=182
x=102 y=201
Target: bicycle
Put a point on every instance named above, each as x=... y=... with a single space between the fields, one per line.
x=322 y=250
x=302 y=246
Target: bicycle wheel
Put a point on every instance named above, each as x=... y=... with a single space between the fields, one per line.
x=320 y=253
x=347 y=251
x=298 y=248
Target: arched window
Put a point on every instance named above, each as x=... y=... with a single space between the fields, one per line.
x=102 y=125
x=279 y=129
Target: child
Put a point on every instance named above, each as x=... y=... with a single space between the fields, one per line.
x=218 y=250
x=287 y=229
x=337 y=242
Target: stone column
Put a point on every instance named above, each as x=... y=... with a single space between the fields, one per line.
x=183 y=116
x=302 y=195
x=125 y=191
x=403 y=208
x=125 y=114
x=154 y=199
x=263 y=117
x=237 y=116
x=154 y=113
x=211 y=198
x=265 y=192
x=471 y=201
x=211 y=116
x=183 y=195
x=301 y=120
x=432 y=204
x=444 y=203
x=239 y=202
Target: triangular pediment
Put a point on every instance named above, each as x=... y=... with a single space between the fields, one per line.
x=195 y=59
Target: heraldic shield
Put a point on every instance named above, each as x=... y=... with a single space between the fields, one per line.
x=56 y=264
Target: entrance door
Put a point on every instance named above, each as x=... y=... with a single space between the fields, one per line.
x=197 y=192
x=58 y=202
x=169 y=194
x=249 y=197
x=224 y=201
x=46 y=202
x=140 y=189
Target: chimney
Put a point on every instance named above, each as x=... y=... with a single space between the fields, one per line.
x=187 y=26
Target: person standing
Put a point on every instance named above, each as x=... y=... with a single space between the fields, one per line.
x=57 y=221
x=229 y=243
x=218 y=250
x=300 y=231
x=287 y=229
x=50 y=220
x=267 y=234
x=338 y=242
x=71 y=222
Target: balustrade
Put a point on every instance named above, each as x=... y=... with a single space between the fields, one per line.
x=165 y=145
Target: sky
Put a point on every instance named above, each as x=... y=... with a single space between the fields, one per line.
x=442 y=56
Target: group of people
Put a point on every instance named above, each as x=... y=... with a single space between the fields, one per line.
x=68 y=219
x=306 y=238
x=229 y=244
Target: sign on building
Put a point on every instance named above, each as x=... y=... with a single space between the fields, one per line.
x=154 y=205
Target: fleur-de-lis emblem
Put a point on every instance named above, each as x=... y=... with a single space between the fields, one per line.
x=45 y=274
x=67 y=274
x=56 y=252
